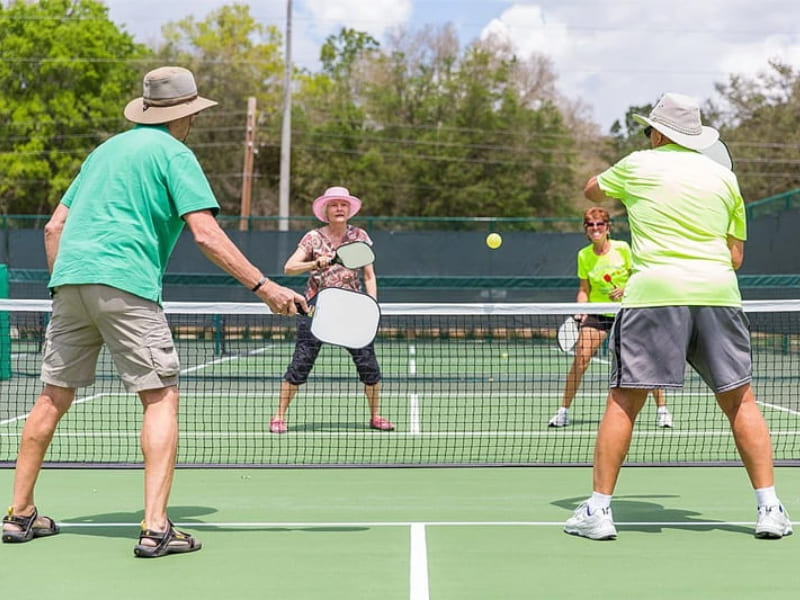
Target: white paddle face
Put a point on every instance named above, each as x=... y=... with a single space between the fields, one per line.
x=355 y=255
x=345 y=318
x=568 y=335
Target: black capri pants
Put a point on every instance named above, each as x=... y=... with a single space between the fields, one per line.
x=307 y=348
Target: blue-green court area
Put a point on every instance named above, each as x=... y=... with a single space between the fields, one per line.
x=408 y=533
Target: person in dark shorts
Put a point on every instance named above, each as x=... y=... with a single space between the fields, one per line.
x=682 y=304
x=604 y=267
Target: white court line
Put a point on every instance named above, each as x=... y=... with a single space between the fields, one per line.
x=411 y=524
x=413 y=416
x=413 y=398
x=225 y=359
x=101 y=394
x=25 y=416
x=778 y=407
x=418 y=572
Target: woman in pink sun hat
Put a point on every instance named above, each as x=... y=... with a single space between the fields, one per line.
x=314 y=255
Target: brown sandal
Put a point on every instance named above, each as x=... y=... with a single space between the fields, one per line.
x=27 y=527
x=171 y=541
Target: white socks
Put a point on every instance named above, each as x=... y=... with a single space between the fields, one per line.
x=767 y=496
x=598 y=501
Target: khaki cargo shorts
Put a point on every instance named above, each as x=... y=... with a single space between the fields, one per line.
x=134 y=330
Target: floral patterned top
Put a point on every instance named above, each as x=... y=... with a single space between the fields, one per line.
x=315 y=244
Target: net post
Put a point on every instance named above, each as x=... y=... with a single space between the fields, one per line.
x=5 y=329
x=219 y=334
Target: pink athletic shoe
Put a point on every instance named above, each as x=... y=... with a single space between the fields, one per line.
x=381 y=424
x=277 y=425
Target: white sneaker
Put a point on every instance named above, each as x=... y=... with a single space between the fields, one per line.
x=664 y=419
x=598 y=525
x=773 y=522
x=560 y=419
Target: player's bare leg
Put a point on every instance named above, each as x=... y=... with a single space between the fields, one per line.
x=751 y=434
x=614 y=436
x=159 y=441
x=376 y=421
x=287 y=394
x=589 y=340
x=37 y=434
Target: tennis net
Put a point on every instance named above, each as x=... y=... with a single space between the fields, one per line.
x=465 y=384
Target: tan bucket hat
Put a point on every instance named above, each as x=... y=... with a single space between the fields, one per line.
x=169 y=93
x=678 y=117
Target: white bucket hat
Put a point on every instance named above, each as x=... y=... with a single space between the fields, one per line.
x=678 y=117
x=335 y=193
x=169 y=93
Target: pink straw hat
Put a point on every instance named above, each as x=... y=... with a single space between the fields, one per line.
x=335 y=193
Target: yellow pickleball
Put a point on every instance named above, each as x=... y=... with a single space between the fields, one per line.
x=493 y=240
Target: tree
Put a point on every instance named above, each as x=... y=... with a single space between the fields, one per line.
x=332 y=136
x=233 y=57
x=427 y=129
x=757 y=121
x=65 y=75
x=626 y=137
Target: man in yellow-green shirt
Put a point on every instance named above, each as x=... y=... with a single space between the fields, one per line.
x=682 y=304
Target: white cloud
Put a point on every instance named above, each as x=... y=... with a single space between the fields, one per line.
x=610 y=54
x=374 y=16
x=526 y=26
x=615 y=54
x=753 y=57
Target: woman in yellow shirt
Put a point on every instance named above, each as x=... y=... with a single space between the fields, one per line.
x=604 y=267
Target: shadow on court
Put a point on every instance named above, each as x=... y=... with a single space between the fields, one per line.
x=653 y=517
x=93 y=525
x=331 y=427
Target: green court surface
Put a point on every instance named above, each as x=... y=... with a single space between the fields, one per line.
x=408 y=533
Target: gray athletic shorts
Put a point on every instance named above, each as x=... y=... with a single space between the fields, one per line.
x=650 y=347
x=135 y=331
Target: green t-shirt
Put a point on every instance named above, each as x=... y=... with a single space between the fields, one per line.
x=125 y=209
x=605 y=271
x=681 y=207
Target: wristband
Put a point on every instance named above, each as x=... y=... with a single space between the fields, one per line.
x=257 y=286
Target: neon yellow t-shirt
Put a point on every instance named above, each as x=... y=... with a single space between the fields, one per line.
x=606 y=271
x=681 y=207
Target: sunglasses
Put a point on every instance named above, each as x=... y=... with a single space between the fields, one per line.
x=588 y=224
x=647 y=131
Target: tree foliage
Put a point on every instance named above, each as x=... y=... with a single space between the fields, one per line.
x=754 y=115
x=759 y=115
x=419 y=126
x=66 y=72
x=233 y=58
x=425 y=128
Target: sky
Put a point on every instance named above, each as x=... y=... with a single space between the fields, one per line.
x=607 y=54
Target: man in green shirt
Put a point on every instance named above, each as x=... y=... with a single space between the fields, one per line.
x=682 y=304
x=107 y=246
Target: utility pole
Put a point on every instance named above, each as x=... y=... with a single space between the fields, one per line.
x=247 y=173
x=286 y=131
